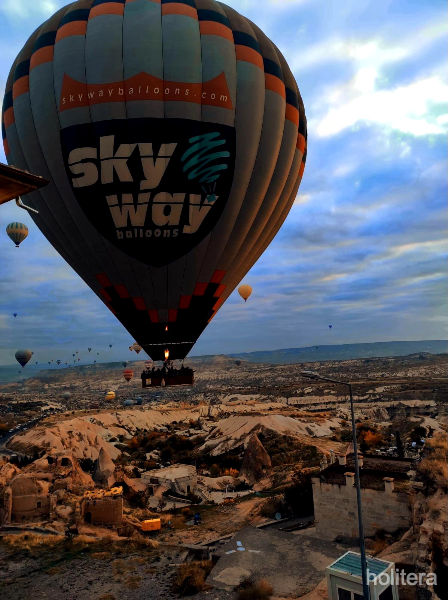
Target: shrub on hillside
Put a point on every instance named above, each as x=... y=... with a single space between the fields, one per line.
x=190 y=578
x=433 y=468
x=254 y=590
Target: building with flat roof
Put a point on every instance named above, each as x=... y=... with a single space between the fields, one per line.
x=103 y=507
x=344 y=578
x=182 y=479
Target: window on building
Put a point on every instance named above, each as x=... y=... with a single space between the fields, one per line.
x=39 y=504
x=344 y=594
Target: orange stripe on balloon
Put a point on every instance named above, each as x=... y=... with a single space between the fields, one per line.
x=103 y=280
x=108 y=8
x=275 y=84
x=105 y=295
x=217 y=276
x=212 y=28
x=175 y=8
x=21 y=86
x=154 y=316
x=6 y=147
x=292 y=114
x=184 y=301
x=301 y=143
x=247 y=54
x=301 y=170
x=122 y=291
x=219 y=290
x=218 y=303
x=8 y=116
x=200 y=288
x=43 y=55
x=69 y=29
x=139 y=303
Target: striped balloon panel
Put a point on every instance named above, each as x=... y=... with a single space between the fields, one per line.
x=129 y=80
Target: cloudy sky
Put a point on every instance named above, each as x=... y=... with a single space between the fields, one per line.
x=365 y=246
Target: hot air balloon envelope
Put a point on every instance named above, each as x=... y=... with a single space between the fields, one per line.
x=128 y=374
x=245 y=291
x=174 y=135
x=17 y=232
x=14 y=314
x=110 y=395
x=23 y=356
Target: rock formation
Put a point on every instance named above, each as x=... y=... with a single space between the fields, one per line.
x=103 y=473
x=256 y=460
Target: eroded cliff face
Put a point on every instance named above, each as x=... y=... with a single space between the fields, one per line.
x=87 y=435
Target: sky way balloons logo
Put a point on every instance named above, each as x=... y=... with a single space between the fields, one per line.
x=153 y=187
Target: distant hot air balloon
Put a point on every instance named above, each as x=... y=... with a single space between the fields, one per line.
x=37 y=362
x=125 y=363
x=97 y=353
x=94 y=361
x=245 y=291
x=128 y=374
x=66 y=395
x=49 y=362
x=237 y=362
x=330 y=326
x=14 y=314
x=76 y=352
x=58 y=362
x=110 y=345
x=89 y=349
x=79 y=359
x=73 y=355
x=110 y=396
x=23 y=356
x=17 y=232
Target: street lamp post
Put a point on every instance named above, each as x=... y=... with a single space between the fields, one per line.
x=365 y=584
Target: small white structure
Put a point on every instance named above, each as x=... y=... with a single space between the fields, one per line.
x=344 y=579
x=180 y=478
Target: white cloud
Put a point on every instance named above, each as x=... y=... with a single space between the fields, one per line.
x=25 y=8
x=302 y=198
x=405 y=108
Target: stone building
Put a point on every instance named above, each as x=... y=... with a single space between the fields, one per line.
x=181 y=479
x=385 y=495
x=27 y=499
x=103 y=507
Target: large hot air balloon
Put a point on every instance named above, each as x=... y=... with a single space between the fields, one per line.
x=17 y=232
x=245 y=291
x=128 y=374
x=23 y=356
x=174 y=136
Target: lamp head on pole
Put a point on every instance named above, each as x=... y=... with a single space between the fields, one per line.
x=310 y=374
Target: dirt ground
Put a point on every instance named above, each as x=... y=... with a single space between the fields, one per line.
x=55 y=569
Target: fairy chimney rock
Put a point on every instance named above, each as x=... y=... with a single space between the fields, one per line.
x=256 y=460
